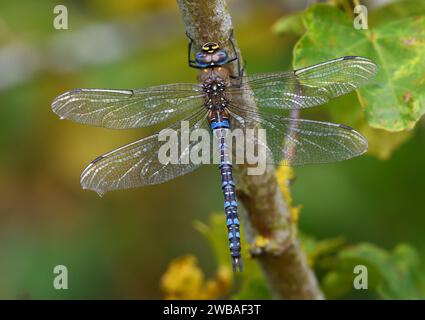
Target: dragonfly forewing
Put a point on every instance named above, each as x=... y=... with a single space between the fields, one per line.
x=126 y=109
x=308 y=87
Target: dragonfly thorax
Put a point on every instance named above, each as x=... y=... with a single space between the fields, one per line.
x=215 y=98
x=213 y=87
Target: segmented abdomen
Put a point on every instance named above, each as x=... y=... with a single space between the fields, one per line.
x=221 y=129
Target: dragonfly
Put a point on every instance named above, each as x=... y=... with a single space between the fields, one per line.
x=217 y=103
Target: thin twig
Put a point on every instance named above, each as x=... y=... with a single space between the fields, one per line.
x=283 y=262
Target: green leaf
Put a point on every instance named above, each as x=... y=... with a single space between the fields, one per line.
x=397 y=10
x=215 y=233
x=252 y=283
x=315 y=249
x=398 y=270
x=395 y=100
x=336 y=285
x=291 y=23
x=391 y=275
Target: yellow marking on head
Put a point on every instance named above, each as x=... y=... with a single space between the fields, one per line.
x=210 y=47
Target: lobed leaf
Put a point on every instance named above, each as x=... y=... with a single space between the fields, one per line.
x=395 y=100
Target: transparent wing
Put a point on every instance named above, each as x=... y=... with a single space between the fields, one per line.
x=298 y=141
x=125 y=109
x=308 y=87
x=138 y=164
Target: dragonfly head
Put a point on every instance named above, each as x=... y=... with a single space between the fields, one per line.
x=211 y=55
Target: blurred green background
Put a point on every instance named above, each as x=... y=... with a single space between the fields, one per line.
x=119 y=246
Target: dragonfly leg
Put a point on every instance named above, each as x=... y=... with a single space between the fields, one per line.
x=238 y=79
x=236 y=56
x=190 y=62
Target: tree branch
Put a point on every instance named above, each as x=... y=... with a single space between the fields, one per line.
x=280 y=256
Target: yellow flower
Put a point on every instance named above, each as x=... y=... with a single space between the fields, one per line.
x=185 y=280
